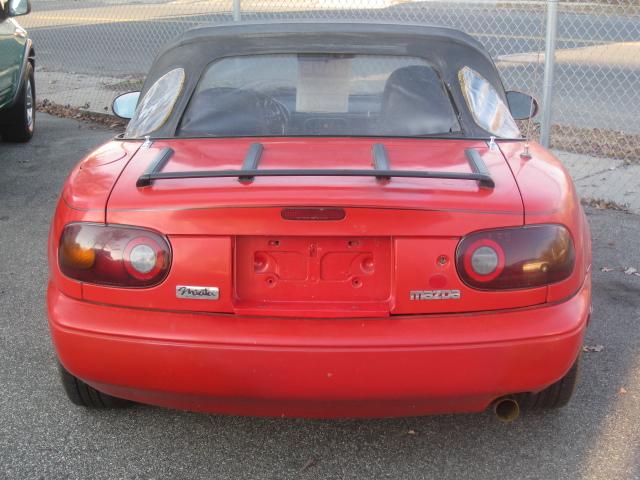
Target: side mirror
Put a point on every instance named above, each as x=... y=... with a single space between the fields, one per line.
x=15 y=8
x=522 y=105
x=124 y=106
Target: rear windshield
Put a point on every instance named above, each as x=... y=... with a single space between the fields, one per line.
x=336 y=95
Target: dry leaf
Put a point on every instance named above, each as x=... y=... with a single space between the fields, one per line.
x=622 y=391
x=593 y=348
x=310 y=463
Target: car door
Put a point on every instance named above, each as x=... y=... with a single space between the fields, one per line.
x=11 y=52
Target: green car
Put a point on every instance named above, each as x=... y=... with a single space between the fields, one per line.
x=17 y=87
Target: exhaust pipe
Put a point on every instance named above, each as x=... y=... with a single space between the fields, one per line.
x=506 y=409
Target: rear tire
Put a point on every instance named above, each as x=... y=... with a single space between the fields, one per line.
x=19 y=120
x=85 y=395
x=556 y=395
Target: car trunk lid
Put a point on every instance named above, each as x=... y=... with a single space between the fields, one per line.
x=425 y=194
x=262 y=245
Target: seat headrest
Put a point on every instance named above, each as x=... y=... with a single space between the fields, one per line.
x=414 y=102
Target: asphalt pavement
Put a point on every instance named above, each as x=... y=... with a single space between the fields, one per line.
x=42 y=435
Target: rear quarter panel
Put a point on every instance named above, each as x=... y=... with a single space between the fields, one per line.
x=549 y=196
x=83 y=199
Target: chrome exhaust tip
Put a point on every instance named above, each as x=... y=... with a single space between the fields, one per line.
x=506 y=409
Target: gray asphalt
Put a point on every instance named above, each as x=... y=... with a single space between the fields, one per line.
x=43 y=436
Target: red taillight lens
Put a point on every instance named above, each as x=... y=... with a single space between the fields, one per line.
x=113 y=255
x=511 y=258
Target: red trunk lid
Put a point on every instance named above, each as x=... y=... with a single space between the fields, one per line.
x=395 y=237
x=460 y=197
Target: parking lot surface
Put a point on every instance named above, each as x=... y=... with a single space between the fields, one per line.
x=42 y=435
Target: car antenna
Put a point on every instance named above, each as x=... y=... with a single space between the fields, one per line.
x=526 y=153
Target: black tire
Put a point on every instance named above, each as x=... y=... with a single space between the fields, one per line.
x=19 y=120
x=86 y=396
x=556 y=395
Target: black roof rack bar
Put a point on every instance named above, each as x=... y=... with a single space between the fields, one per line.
x=478 y=167
x=251 y=161
x=380 y=159
x=155 y=167
x=483 y=179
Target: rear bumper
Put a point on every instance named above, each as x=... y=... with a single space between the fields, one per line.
x=410 y=365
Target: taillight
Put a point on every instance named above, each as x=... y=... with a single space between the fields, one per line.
x=511 y=258
x=113 y=255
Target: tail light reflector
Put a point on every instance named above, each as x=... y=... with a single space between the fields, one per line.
x=512 y=258
x=113 y=255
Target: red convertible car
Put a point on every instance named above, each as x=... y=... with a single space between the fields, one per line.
x=321 y=220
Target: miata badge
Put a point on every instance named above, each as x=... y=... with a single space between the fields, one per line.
x=198 y=293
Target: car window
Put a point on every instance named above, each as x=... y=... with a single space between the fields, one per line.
x=156 y=106
x=319 y=94
x=486 y=106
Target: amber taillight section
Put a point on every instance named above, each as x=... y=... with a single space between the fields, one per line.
x=113 y=255
x=516 y=258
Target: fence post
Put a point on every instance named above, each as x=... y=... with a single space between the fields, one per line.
x=549 y=66
x=236 y=10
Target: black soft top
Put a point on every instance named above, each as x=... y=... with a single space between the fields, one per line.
x=447 y=49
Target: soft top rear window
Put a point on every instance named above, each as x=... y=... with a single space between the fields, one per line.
x=155 y=108
x=486 y=106
x=320 y=94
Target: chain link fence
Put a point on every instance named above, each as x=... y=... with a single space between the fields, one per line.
x=89 y=51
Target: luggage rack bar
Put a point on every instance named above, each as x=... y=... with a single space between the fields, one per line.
x=380 y=160
x=156 y=166
x=249 y=170
x=478 y=167
x=251 y=161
